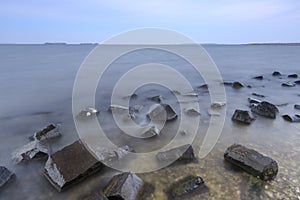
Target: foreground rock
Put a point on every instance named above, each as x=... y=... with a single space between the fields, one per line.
x=126 y=186
x=188 y=186
x=252 y=162
x=49 y=132
x=242 y=116
x=265 y=109
x=5 y=175
x=162 y=112
x=33 y=150
x=182 y=153
x=253 y=101
x=290 y=118
x=70 y=165
x=150 y=131
x=258 y=95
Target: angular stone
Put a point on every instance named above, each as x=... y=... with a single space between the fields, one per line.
x=242 y=116
x=253 y=101
x=157 y=98
x=290 y=118
x=237 y=85
x=190 y=185
x=276 y=73
x=151 y=131
x=258 y=77
x=125 y=186
x=88 y=112
x=33 y=150
x=252 y=161
x=204 y=86
x=292 y=76
x=182 y=153
x=49 y=132
x=288 y=84
x=297 y=106
x=265 y=109
x=70 y=165
x=192 y=112
x=161 y=112
x=5 y=175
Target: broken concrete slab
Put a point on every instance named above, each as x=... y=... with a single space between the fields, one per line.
x=33 y=150
x=188 y=186
x=181 y=153
x=252 y=161
x=290 y=118
x=125 y=186
x=265 y=109
x=71 y=165
x=150 y=132
x=5 y=175
x=242 y=116
x=49 y=132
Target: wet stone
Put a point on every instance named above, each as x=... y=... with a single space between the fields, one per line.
x=192 y=112
x=253 y=101
x=95 y=196
x=276 y=73
x=125 y=186
x=242 y=116
x=33 y=150
x=87 y=113
x=265 y=109
x=292 y=76
x=157 y=98
x=290 y=118
x=297 y=106
x=288 y=84
x=258 y=77
x=162 y=112
x=70 y=165
x=297 y=82
x=182 y=153
x=188 y=186
x=252 y=162
x=216 y=105
x=237 y=85
x=5 y=175
x=49 y=132
x=258 y=95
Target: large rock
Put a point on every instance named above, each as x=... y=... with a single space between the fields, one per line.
x=125 y=186
x=188 y=186
x=265 y=109
x=242 y=116
x=5 y=175
x=290 y=118
x=182 y=153
x=162 y=112
x=70 y=165
x=49 y=132
x=252 y=161
x=33 y=150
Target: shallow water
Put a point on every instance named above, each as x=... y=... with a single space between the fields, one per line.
x=36 y=85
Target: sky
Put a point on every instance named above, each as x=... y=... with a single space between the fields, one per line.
x=214 y=21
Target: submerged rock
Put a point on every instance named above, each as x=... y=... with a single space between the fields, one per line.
x=213 y=113
x=118 y=109
x=113 y=155
x=151 y=131
x=182 y=153
x=162 y=112
x=33 y=150
x=297 y=82
x=49 y=132
x=192 y=112
x=258 y=77
x=276 y=73
x=290 y=118
x=237 y=85
x=88 y=112
x=258 y=95
x=217 y=104
x=253 y=101
x=190 y=185
x=157 y=98
x=70 y=165
x=252 y=161
x=265 y=109
x=5 y=175
x=95 y=196
x=292 y=76
x=242 y=116
x=288 y=84
x=125 y=186
x=204 y=86
x=297 y=106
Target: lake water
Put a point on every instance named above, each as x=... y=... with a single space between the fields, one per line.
x=36 y=83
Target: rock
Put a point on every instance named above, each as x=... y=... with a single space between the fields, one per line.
x=259 y=77
x=5 y=175
x=253 y=101
x=297 y=82
x=213 y=113
x=292 y=76
x=158 y=112
x=252 y=161
x=192 y=112
x=88 y=112
x=217 y=104
x=48 y=132
x=258 y=95
x=288 y=84
x=242 y=116
x=297 y=106
x=71 y=165
x=295 y=118
x=227 y=83
x=151 y=131
x=265 y=109
x=109 y=156
x=182 y=153
x=136 y=108
x=125 y=186
x=190 y=185
x=157 y=98
x=33 y=150
x=237 y=85
x=276 y=73
x=95 y=196
x=204 y=86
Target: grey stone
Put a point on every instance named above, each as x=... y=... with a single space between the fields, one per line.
x=276 y=73
x=162 y=112
x=265 y=109
x=182 y=153
x=288 y=84
x=237 y=85
x=157 y=98
x=33 y=150
x=292 y=76
x=290 y=118
x=242 y=116
x=5 y=175
x=297 y=106
x=49 y=132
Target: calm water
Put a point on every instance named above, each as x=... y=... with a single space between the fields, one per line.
x=36 y=84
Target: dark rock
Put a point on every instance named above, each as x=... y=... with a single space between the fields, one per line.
x=5 y=175
x=242 y=116
x=297 y=106
x=249 y=86
x=295 y=118
x=227 y=83
x=276 y=73
x=204 y=86
x=292 y=76
x=109 y=156
x=125 y=186
x=253 y=101
x=297 y=82
x=157 y=98
x=251 y=188
x=182 y=153
x=252 y=161
x=265 y=109
x=71 y=165
x=237 y=85
x=162 y=112
x=259 y=77
x=192 y=112
x=33 y=150
x=258 y=95
x=95 y=196
x=288 y=84
x=49 y=132
x=188 y=186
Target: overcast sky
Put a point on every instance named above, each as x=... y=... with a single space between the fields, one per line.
x=219 y=21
